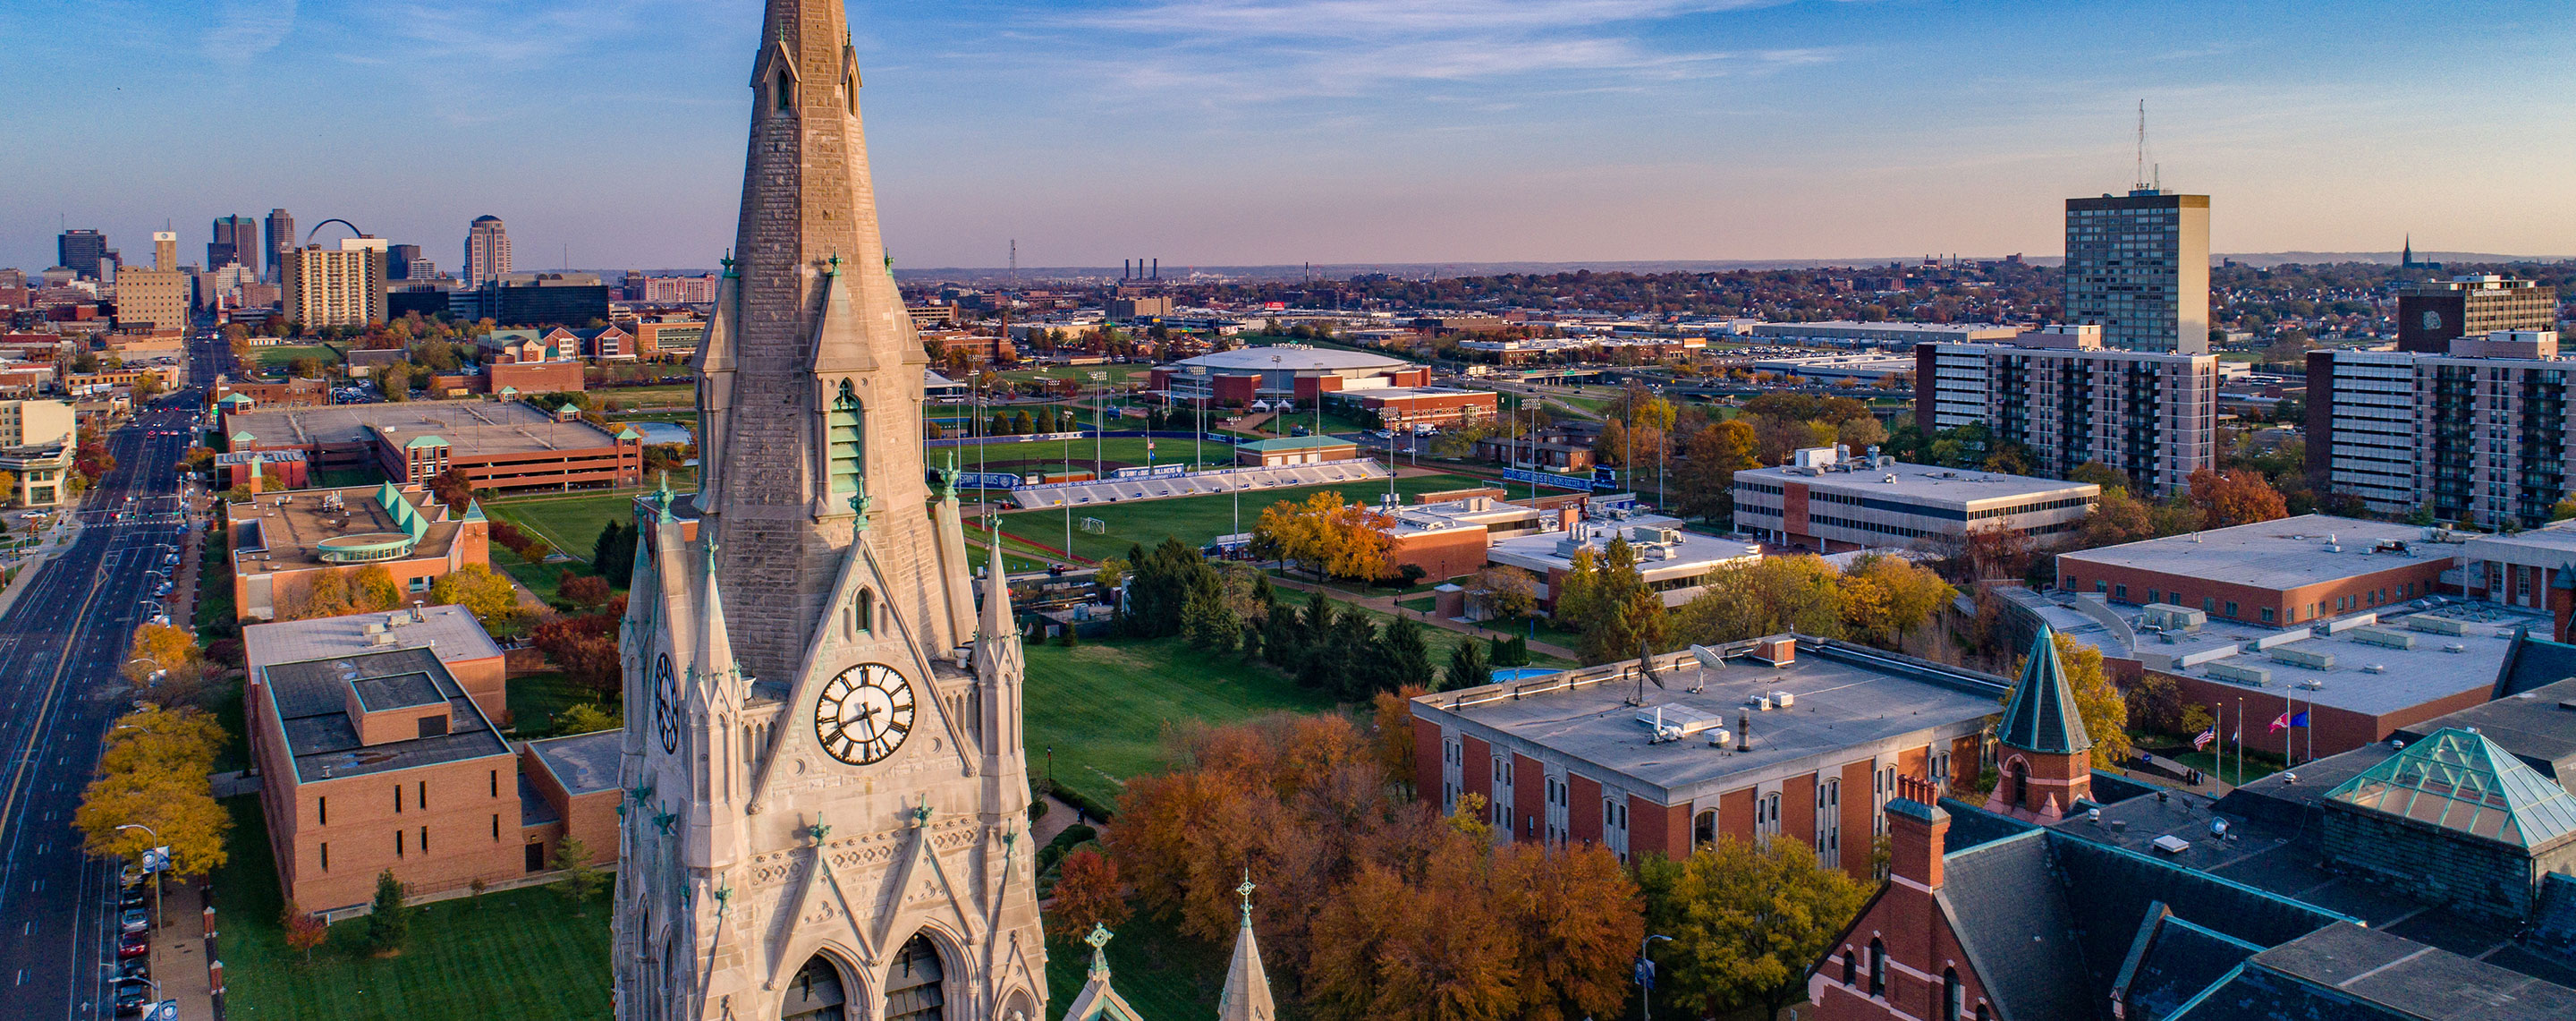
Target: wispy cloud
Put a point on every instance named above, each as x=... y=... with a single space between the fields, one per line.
x=245 y=29
x=1242 y=51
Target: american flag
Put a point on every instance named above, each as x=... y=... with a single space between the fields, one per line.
x=2204 y=739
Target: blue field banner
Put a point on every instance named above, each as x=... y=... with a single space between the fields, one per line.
x=1157 y=471
x=986 y=480
x=1579 y=484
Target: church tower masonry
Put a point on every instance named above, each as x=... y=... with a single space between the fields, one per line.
x=826 y=792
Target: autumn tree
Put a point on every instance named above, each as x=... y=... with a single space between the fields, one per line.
x=1605 y=599
x=1775 y=595
x=589 y=591
x=2116 y=518
x=585 y=649
x=304 y=930
x=159 y=649
x=152 y=772
x=1745 y=920
x=2235 y=497
x=1885 y=596
x=486 y=595
x=1330 y=536
x=2097 y=473
x=372 y=590
x=1087 y=892
x=1504 y=592
x=1705 y=482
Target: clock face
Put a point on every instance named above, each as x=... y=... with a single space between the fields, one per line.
x=666 y=703
x=864 y=714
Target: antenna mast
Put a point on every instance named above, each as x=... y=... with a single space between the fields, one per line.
x=2142 y=145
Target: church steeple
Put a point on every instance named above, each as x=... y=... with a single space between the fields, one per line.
x=1246 y=995
x=813 y=369
x=2046 y=756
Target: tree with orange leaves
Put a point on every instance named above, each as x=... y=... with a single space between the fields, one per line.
x=1087 y=892
x=2236 y=497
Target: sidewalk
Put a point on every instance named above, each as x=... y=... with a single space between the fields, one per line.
x=181 y=949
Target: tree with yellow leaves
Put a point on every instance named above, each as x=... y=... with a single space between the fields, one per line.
x=486 y=595
x=1332 y=537
x=159 y=651
x=1745 y=921
x=153 y=774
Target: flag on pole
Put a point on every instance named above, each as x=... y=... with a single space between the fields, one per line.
x=2202 y=741
x=2300 y=720
x=2282 y=722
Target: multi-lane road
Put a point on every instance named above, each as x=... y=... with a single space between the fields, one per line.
x=62 y=646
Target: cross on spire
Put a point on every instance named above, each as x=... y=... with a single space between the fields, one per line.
x=1245 y=891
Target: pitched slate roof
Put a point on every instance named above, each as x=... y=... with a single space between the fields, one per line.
x=2015 y=925
x=2531 y=662
x=2348 y=971
x=2459 y=780
x=2041 y=717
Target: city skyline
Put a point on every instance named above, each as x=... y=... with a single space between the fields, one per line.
x=1253 y=132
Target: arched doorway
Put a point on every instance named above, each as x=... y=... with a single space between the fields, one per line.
x=915 y=986
x=816 y=993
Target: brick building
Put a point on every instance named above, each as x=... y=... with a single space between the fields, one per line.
x=1675 y=563
x=255 y=395
x=376 y=746
x=281 y=541
x=500 y=445
x=2272 y=572
x=1448 y=538
x=1292 y=373
x=1751 y=741
x=1405 y=406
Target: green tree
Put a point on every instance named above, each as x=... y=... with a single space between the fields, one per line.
x=1207 y=622
x=1403 y=659
x=2104 y=710
x=389 y=923
x=1705 y=482
x=1467 y=666
x=1607 y=602
x=580 y=878
x=1745 y=921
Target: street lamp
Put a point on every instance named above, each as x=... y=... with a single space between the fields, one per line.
x=1646 y=977
x=156 y=877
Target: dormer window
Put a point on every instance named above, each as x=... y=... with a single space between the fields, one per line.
x=845 y=440
x=783 y=91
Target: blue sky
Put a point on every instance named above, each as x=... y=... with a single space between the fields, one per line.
x=1279 y=131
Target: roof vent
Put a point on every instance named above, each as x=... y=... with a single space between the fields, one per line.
x=2374 y=668
x=2455 y=647
x=2171 y=844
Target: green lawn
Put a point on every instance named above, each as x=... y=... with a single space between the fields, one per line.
x=681 y=394
x=571 y=523
x=1193 y=519
x=1107 y=704
x=1163 y=974
x=345 y=478
x=277 y=357
x=520 y=954
x=536 y=699
x=1131 y=372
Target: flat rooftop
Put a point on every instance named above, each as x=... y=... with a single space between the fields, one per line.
x=469 y=427
x=1413 y=393
x=450 y=631
x=1927 y=485
x=2279 y=555
x=583 y=763
x=285 y=530
x=312 y=706
x=1691 y=553
x=1842 y=696
x=2351 y=673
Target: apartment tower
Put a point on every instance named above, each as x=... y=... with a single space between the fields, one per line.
x=2138 y=265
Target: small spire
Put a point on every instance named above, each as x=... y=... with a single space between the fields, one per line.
x=1245 y=891
x=1099 y=940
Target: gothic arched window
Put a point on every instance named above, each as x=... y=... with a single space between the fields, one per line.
x=1952 y=994
x=845 y=441
x=783 y=89
x=1877 y=967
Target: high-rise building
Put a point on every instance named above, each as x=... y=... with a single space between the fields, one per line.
x=158 y=297
x=281 y=240
x=84 y=252
x=335 y=288
x=2433 y=313
x=2478 y=434
x=2138 y=265
x=487 y=251
x=165 y=250
x=398 y=260
x=236 y=240
x=807 y=644
x=2066 y=399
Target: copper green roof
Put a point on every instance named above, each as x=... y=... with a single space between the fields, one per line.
x=2041 y=717
x=629 y=433
x=234 y=398
x=1294 y=443
x=2458 y=780
x=569 y=406
x=426 y=441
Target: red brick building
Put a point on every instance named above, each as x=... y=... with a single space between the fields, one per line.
x=2274 y=572
x=1782 y=736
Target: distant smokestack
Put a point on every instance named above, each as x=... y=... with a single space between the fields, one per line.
x=1123 y=269
x=1158 y=269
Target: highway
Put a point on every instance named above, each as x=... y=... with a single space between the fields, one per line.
x=61 y=646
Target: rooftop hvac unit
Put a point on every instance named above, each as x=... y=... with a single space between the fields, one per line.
x=1783 y=699
x=2455 y=647
x=2313 y=684
x=1761 y=703
x=2374 y=668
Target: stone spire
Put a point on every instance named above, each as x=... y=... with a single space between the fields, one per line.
x=1246 y=996
x=812 y=372
x=1097 y=1000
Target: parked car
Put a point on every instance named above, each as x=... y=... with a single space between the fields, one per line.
x=132 y=998
x=133 y=897
x=133 y=944
x=134 y=920
x=134 y=967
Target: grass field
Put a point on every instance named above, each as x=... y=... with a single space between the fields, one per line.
x=1107 y=704
x=1163 y=974
x=678 y=394
x=536 y=699
x=1131 y=372
x=519 y=954
x=280 y=355
x=570 y=522
x=1192 y=519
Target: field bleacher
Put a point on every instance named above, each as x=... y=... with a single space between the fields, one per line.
x=1224 y=480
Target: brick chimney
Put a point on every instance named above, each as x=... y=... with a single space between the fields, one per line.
x=1916 y=829
x=2562 y=601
